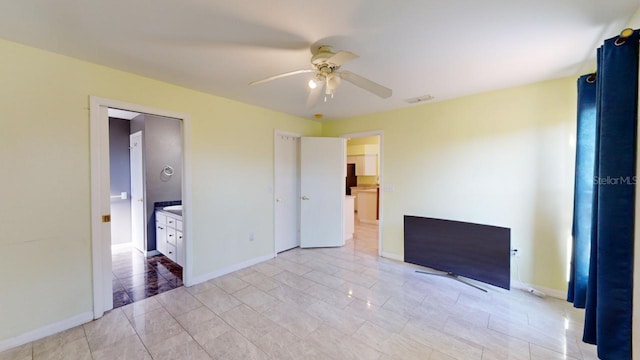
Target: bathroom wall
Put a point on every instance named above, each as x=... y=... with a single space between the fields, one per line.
x=162 y=146
x=120 y=180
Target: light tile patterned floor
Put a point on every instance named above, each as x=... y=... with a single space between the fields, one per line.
x=338 y=303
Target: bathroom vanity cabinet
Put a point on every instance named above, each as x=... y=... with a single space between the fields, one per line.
x=169 y=239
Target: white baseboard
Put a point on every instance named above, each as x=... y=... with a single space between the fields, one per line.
x=230 y=269
x=392 y=256
x=152 y=253
x=46 y=330
x=554 y=293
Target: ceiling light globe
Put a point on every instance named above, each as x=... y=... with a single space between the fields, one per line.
x=312 y=84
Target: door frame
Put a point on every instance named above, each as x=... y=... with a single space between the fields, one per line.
x=275 y=136
x=380 y=176
x=100 y=196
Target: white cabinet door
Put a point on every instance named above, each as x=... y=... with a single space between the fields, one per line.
x=161 y=237
x=180 y=248
x=370 y=165
x=322 y=182
x=366 y=165
x=359 y=165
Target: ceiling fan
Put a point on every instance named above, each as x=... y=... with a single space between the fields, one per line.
x=326 y=64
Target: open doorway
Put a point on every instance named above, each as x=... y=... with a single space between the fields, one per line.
x=146 y=223
x=145 y=157
x=363 y=185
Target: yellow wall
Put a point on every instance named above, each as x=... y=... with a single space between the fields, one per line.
x=44 y=151
x=502 y=158
x=366 y=140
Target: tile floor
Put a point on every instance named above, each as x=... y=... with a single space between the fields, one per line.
x=338 y=303
x=136 y=277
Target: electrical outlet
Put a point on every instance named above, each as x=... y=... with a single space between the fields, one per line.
x=251 y=236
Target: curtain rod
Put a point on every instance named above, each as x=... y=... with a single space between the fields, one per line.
x=622 y=38
x=624 y=35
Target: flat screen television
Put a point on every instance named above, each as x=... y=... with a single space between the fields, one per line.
x=475 y=251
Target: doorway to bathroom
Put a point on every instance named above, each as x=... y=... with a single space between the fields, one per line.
x=139 y=202
x=145 y=157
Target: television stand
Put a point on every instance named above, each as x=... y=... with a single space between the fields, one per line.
x=452 y=276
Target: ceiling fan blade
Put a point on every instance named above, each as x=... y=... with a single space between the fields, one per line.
x=314 y=95
x=281 y=76
x=342 y=57
x=375 y=88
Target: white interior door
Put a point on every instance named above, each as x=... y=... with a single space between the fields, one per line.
x=322 y=186
x=287 y=191
x=137 y=191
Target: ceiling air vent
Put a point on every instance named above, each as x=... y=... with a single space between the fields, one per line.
x=418 y=99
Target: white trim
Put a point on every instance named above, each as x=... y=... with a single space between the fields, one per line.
x=98 y=133
x=230 y=269
x=554 y=293
x=380 y=180
x=101 y=256
x=46 y=330
x=285 y=133
x=392 y=256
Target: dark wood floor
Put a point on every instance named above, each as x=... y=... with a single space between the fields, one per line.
x=136 y=277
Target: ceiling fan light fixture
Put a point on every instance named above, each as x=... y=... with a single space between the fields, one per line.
x=325 y=65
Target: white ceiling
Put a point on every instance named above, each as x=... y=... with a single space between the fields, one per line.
x=443 y=48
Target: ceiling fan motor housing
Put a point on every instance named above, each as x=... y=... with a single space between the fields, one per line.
x=324 y=53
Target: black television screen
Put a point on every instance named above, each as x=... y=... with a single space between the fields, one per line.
x=475 y=251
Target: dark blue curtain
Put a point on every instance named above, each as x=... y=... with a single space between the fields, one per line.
x=604 y=212
x=583 y=190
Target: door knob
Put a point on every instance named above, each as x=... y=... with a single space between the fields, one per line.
x=304 y=198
